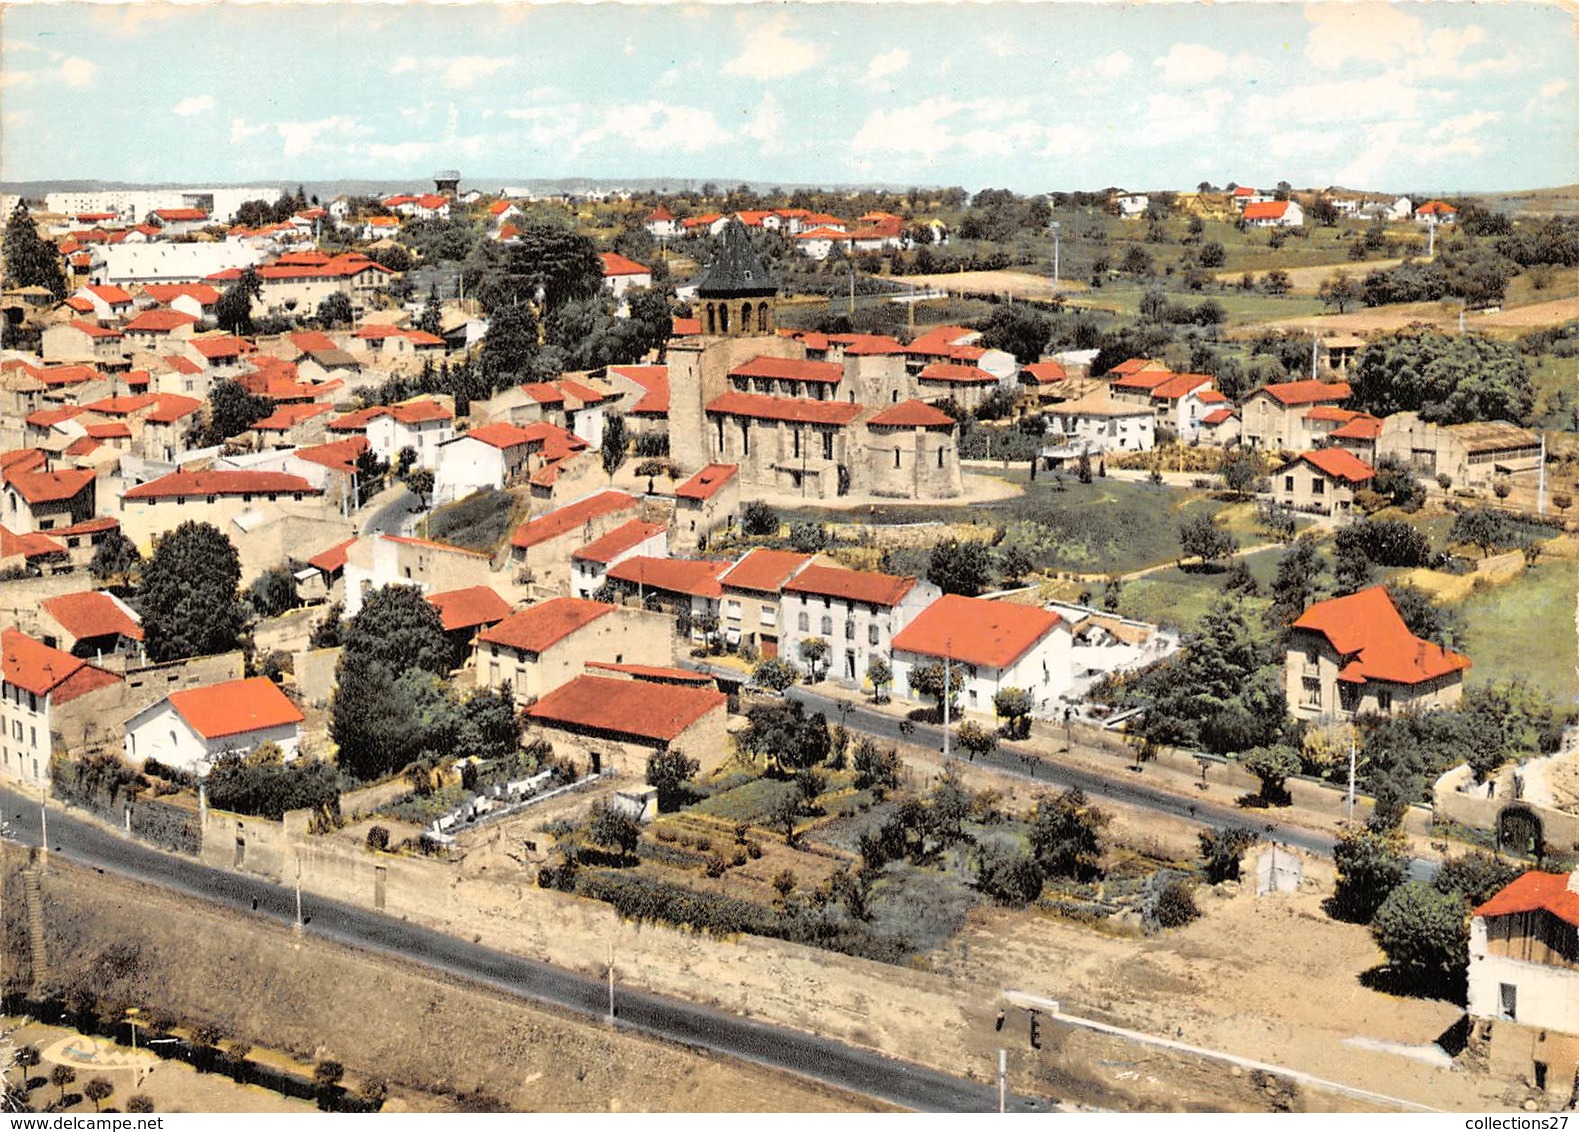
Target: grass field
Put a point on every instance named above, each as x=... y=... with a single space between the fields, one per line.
x=1526 y=628
x=478 y=522
x=1177 y=598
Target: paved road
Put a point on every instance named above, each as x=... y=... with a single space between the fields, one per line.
x=897 y=1082
x=390 y=518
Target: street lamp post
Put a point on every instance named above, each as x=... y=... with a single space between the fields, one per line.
x=1055 y=226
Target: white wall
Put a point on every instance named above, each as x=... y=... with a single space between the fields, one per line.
x=1044 y=670
x=1548 y=996
x=464 y=466
x=159 y=732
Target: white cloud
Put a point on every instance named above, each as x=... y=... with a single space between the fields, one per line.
x=240 y=131
x=770 y=52
x=302 y=137
x=197 y=104
x=467 y=69
x=1367 y=32
x=1169 y=118
x=765 y=124
x=1111 y=67
x=1553 y=88
x=983 y=127
x=78 y=72
x=884 y=65
x=398 y=153
x=404 y=65
x=1376 y=155
x=1190 y=63
x=654 y=127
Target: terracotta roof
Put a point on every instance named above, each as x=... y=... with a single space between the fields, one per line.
x=82 y=446
x=673 y=575
x=1305 y=392
x=418 y=411
x=626 y=707
x=1535 y=892
x=34 y=544
x=1135 y=365
x=1043 y=373
x=764 y=571
x=1339 y=463
x=470 y=607
x=499 y=435
x=1435 y=207
x=566 y=519
x=96 y=525
x=313 y=341
x=110 y=430
x=1143 y=380
x=1181 y=385
x=67 y=375
x=544 y=392
x=976 y=631
x=92 y=614
x=180 y=214
x=50 y=487
x=1361 y=427
x=866 y=345
x=48 y=418
x=1218 y=416
x=172 y=407
x=654 y=673
x=539 y=627
x=94 y=330
x=121 y=406
x=184 y=483
x=618 y=541
x=655 y=380
x=616 y=264
x=708 y=482
x=168 y=292
x=235 y=707
x=683 y=327
x=790 y=369
x=1266 y=210
x=942 y=337
x=583 y=393
x=851 y=585
x=1212 y=397
x=1366 y=629
x=340 y=455
x=35 y=667
x=953 y=373
x=1100 y=404
x=79 y=304
x=332 y=559
x=912 y=414
x=182 y=365
x=221 y=346
x=794 y=409
x=1244 y=191
x=160 y=320
x=109 y=293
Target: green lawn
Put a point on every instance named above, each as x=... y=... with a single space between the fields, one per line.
x=1177 y=598
x=1526 y=628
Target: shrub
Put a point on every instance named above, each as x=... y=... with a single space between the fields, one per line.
x=1174 y=905
x=378 y=839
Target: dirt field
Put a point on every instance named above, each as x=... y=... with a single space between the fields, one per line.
x=1306 y=280
x=1443 y=316
x=1020 y=284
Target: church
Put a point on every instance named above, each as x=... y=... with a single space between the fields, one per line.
x=743 y=393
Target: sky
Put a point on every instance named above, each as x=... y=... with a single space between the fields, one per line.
x=1036 y=97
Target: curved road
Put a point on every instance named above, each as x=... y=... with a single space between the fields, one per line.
x=807 y=1055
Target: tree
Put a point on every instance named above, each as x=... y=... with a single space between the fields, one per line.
x=398 y=628
x=758 y=519
x=431 y=319
x=1294 y=585
x=1324 y=212
x=489 y=726
x=1224 y=689
x=60 y=1076
x=1477 y=876
x=775 y=673
x=929 y=680
x=784 y=812
x=875 y=767
x=1276 y=282
x=614 y=828
x=512 y=344
x=671 y=772
x=139 y=1102
x=1273 y=765
x=1201 y=537
x=1066 y=836
x=1018 y=329
x=1137 y=262
x=1014 y=564
x=880 y=675
x=1223 y=850
x=1351 y=570
x=1482 y=527
x=1212 y=254
x=335 y=310
x=1014 y=704
x=1506 y=719
x=233 y=312
x=97 y=1090
x=327 y=1075
x=116 y=561
x=273 y=592
x=188 y=596
x=419 y=481
x=31 y=260
x=975 y=739
x=1425 y=934
x=614 y=442
x=814 y=651
x=1008 y=877
x=1424 y=618
x=1395 y=482
x=1339 y=290
x=1239 y=474
x=1370 y=865
x=785 y=736
x=1446 y=379
x=957 y=567
x=232 y=411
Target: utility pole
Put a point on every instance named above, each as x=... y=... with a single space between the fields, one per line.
x=948 y=647
x=300 y=923
x=1351 y=774
x=43 y=821
x=1540 y=486
x=1055 y=226
x=1003 y=1081
x=610 y=1018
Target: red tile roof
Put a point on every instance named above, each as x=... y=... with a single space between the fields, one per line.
x=794 y=409
x=1044 y=373
x=1362 y=426
x=659 y=213
x=500 y=435
x=50 y=487
x=94 y=330
x=790 y=369
x=186 y=483
x=221 y=346
x=110 y=430
x=172 y=407
x=616 y=264
x=1535 y=892
x=1266 y=210
x=863 y=345
x=1212 y=397
x=639 y=708
x=1330 y=413
x=654 y=673
x=1180 y=386
x=940 y=338
x=1143 y=380
x=1435 y=208
x=235 y=707
x=764 y=571
x=708 y=482
x=544 y=393
x=92 y=614
x=655 y=380
x=23 y=459
x=912 y=414
x=182 y=365
x=180 y=214
x=539 y=627
x=1338 y=463
x=1366 y=629
x=67 y=375
x=121 y=406
x=673 y=575
x=1305 y=392
x=82 y=446
x=158 y=320
x=618 y=541
x=109 y=293
x=851 y=585
x=953 y=373
x=340 y=455
x=686 y=326
x=313 y=341
x=470 y=607
x=1218 y=416
x=583 y=393
x=48 y=418
x=332 y=559
x=286 y=416
x=976 y=631
x=35 y=667
x=568 y=518
x=1135 y=365
x=32 y=545
x=168 y=292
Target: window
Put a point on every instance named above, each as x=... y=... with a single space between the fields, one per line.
x=940 y=457
x=795 y=432
x=1288 y=483
x=804 y=623
x=1310 y=692
x=849 y=629
x=871 y=634
x=32 y=737
x=1508 y=999
x=1318 y=486
x=827 y=445
x=896 y=457
x=827 y=626
x=1384 y=700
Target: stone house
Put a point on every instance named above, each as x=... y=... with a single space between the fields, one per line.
x=617 y=724
x=752 y=589
x=37 y=683
x=1324 y=481
x=537 y=649
x=857 y=612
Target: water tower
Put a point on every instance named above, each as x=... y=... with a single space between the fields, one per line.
x=447 y=181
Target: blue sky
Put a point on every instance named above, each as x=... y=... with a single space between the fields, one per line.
x=1035 y=97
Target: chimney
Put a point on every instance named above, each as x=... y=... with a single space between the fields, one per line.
x=1573 y=882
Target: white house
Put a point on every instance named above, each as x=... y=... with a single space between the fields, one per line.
x=1132 y=205
x=988 y=646
x=420 y=424
x=857 y=612
x=188 y=730
x=491 y=456
x=38 y=681
x=590 y=564
x=661 y=224
x=621 y=274
x=1100 y=423
x=1274 y=214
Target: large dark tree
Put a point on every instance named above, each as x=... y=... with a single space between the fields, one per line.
x=117 y=560
x=551 y=264
x=31 y=260
x=785 y=735
x=1224 y=690
x=233 y=312
x=957 y=567
x=1447 y=379
x=231 y=411
x=512 y=346
x=188 y=597
x=1066 y=836
x=1021 y=330
x=400 y=629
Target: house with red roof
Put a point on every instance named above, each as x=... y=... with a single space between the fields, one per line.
x=1323 y=481
x=499 y=455
x=465 y=613
x=1182 y=400
x=590 y=564
x=40 y=687
x=661 y=224
x=644 y=393
x=192 y=728
x=1276 y=416
x=686 y=587
x=421 y=424
x=379 y=560
x=42 y=498
x=616 y=724
x=167 y=425
x=752 y=590
x=1273 y=214
x=706 y=503
x=200 y=300
x=82 y=340
x=537 y=649
x=858 y=612
x=156 y=330
x=292 y=425
x=622 y=274
x=1523 y=1000
x=540 y=548
x=1435 y=212
x=91 y=625
x=110 y=304
x=221 y=496
x=988 y=646
x=1354 y=655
